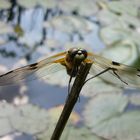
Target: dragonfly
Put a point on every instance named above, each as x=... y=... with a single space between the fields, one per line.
x=110 y=71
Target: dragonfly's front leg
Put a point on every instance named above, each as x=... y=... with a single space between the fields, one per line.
x=107 y=69
x=114 y=71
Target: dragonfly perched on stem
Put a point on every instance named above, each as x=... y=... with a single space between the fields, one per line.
x=111 y=71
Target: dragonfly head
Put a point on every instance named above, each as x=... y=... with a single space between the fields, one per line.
x=77 y=55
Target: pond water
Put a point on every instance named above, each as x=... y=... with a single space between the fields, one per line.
x=31 y=21
x=32 y=44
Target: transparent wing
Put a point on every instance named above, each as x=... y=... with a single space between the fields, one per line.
x=116 y=73
x=34 y=71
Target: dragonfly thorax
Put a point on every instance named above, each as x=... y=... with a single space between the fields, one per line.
x=74 y=58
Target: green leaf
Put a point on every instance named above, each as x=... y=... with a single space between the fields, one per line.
x=70 y=24
x=105 y=115
x=104 y=107
x=5 y=4
x=127 y=47
x=71 y=133
x=27 y=118
x=33 y=3
x=135 y=99
x=5 y=28
x=27 y=3
x=82 y=7
x=123 y=7
x=107 y=17
x=30 y=119
x=5 y=126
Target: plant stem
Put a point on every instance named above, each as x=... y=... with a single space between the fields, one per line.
x=71 y=100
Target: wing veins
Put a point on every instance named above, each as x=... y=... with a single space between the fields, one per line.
x=33 y=71
x=126 y=74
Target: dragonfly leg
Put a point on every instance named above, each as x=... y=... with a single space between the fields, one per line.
x=72 y=74
x=119 y=77
x=97 y=74
x=69 y=86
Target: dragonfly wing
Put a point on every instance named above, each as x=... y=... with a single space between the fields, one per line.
x=34 y=71
x=118 y=74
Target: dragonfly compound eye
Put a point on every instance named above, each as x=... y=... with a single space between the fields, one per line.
x=84 y=52
x=72 y=52
x=80 y=55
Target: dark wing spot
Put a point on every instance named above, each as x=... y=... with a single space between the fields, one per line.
x=6 y=73
x=115 y=63
x=33 y=66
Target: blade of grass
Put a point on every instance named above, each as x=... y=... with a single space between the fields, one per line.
x=71 y=100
